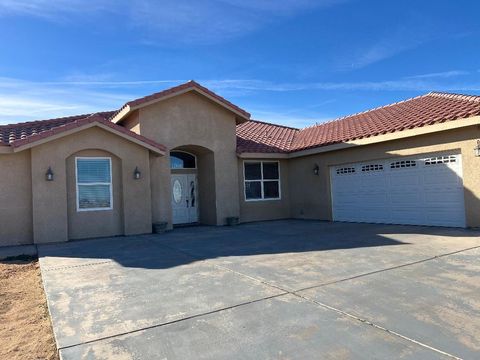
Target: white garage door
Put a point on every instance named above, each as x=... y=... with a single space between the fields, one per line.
x=418 y=191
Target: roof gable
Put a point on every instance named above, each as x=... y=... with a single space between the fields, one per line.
x=26 y=135
x=133 y=105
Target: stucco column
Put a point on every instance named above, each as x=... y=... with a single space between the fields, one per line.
x=49 y=198
x=161 y=189
x=137 y=206
x=226 y=184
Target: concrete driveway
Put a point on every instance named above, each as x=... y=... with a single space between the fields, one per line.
x=274 y=290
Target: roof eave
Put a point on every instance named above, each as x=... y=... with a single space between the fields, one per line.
x=33 y=141
x=124 y=111
x=265 y=155
x=396 y=135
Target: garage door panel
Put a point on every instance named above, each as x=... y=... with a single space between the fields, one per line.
x=446 y=197
x=345 y=200
x=443 y=217
x=435 y=177
x=409 y=178
x=347 y=216
x=373 y=181
x=369 y=197
x=404 y=198
x=403 y=214
x=372 y=213
x=343 y=180
x=422 y=191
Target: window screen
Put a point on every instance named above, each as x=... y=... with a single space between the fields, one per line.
x=262 y=180
x=94 y=184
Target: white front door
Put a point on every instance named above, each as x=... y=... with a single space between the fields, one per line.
x=184 y=198
x=413 y=190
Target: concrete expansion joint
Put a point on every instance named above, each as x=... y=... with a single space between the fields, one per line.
x=284 y=292
x=458 y=251
x=436 y=257
x=344 y=313
x=328 y=307
x=78 y=266
x=171 y=322
x=379 y=327
x=228 y=269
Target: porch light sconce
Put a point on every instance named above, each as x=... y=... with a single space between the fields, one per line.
x=477 y=149
x=49 y=174
x=136 y=173
x=316 y=170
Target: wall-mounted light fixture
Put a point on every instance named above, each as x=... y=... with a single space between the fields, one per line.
x=49 y=174
x=476 y=149
x=137 y=174
x=316 y=170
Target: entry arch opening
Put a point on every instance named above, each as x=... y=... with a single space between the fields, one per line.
x=193 y=190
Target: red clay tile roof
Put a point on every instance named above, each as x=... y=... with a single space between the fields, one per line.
x=260 y=137
x=188 y=85
x=13 y=132
x=257 y=136
x=432 y=108
x=16 y=135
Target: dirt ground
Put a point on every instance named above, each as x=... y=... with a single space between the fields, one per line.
x=25 y=328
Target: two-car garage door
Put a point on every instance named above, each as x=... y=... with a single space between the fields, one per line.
x=418 y=191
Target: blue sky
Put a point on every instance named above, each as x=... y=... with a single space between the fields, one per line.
x=294 y=62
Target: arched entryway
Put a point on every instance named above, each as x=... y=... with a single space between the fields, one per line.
x=192 y=185
x=184 y=180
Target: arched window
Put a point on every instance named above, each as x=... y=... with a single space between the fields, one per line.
x=182 y=160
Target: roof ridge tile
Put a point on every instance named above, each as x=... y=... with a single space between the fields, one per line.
x=475 y=98
x=366 y=111
x=273 y=124
x=189 y=84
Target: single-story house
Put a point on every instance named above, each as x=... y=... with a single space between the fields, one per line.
x=186 y=155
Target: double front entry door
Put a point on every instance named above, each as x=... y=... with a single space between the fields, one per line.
x=184 y=198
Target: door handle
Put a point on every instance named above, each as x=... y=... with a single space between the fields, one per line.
x=187 y=202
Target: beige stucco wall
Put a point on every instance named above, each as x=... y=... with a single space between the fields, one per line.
x=192 y=121
x=310 y=194
x=132 y=122
x=265 y=209
x=34 y=210
x=100 y=223
x=50 y=204
x=15 y=199
x=206 y=183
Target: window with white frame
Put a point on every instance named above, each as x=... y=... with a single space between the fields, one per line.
x=94 y=183
x=262 y=180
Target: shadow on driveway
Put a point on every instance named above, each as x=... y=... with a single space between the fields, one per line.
x=209 y=242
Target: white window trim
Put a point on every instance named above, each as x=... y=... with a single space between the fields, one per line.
x=99 y=183
x=185 y=152
x=262 y=181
